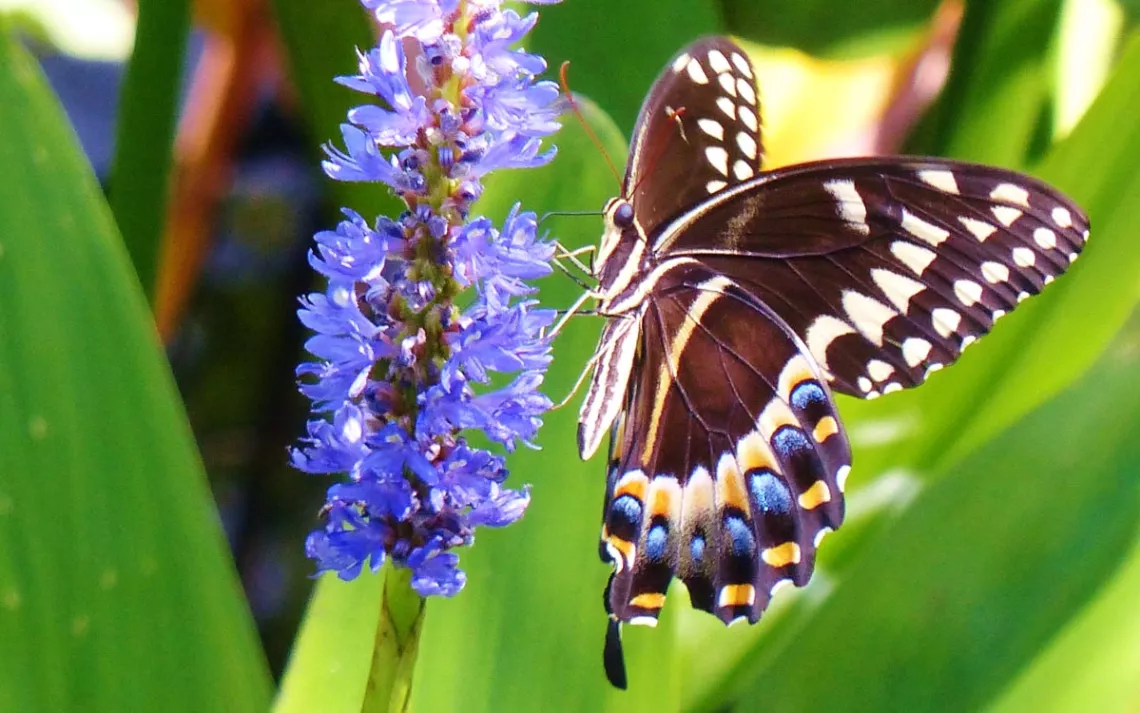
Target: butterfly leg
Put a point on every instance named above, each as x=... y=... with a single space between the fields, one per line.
x=561 y=252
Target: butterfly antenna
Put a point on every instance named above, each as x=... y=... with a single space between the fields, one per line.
x=573 y=213
x=659 y=149
x=582 y=120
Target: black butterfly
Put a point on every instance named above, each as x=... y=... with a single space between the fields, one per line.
x=739 y=300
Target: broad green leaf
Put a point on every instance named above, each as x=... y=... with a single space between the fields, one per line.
x=1095 y=662
x=328 y=667
x=117 y=592
x=616 y=51
x=148 y=112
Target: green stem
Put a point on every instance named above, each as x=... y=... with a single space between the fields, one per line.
x=397 y=642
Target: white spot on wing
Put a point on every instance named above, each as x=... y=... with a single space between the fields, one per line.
x=922 y=230
x=945 y=321
x=823 y=532
x=742 y=170
x=680 y=62
x=718 y=157
x=718 y=62
x=747 y=93
x=980 y=229
x=1005 y=214
x=915 y=350
x=942 y=180
x=968 y=292
x=821 y=333
x=1024 y=257
x=899 y=289
x=697 y=72
x=994 y=272
x=864 y=384
x=841 y=476
x=727 y=83
x=748 y=118
x=879 y=370
x=725 y=104
x=742 y=64
x=1062 y=217
x=712 y=127
x=1011 y=193
x=1045 y=238
x=714 y=186
x=850 y=204
x=746 y=143
x=916 y=257
x=868 y=314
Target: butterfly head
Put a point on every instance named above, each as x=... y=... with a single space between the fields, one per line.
x=623 y=252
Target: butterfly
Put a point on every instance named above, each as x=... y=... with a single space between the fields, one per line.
x=738 y=301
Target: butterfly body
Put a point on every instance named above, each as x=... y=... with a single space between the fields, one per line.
x=739 y=300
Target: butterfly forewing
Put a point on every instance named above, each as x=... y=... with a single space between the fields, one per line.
x=698 y=132
x=887 y=267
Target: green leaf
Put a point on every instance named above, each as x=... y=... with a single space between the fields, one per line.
x=615 y=51
x=1095 y=662
x=117 y=592
x=148 y=111
x=329 y=666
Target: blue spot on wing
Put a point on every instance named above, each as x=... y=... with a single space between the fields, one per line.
x=656 y=542
x=770 y=493
x=697 y=548
x=741 y=540
x=628 y=508
x=790 y=442
x=808 y=394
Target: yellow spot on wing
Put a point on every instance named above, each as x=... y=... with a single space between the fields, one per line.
x=774 y=416
x=816 y=495
x=737 y=595
x=782 y=555
x=665 y=498
x=633 y=484
x=753 y=452
x=649 y=600
x=795 y=372
x=698 y=500
x=826 y=427
x=730 y=485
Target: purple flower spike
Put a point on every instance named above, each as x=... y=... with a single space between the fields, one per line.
x=399 y=370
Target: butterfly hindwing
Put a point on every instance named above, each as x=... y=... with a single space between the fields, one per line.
x=731 y=457
x=887 y=267
x=698 y=132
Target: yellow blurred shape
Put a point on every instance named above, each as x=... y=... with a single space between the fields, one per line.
x=814 y=108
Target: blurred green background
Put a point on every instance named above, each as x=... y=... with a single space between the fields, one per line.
x=151 y=534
